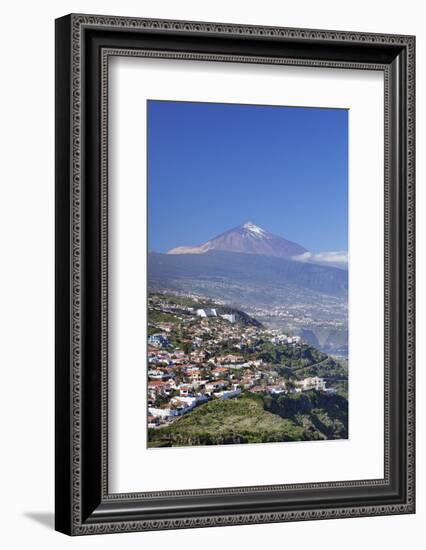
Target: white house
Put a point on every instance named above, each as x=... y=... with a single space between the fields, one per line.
x=312 y=383
x=207 y=312
x=277 y=389
x=163 y=413
x=231 y=317
x=156 y=374
x=279 y=339
x=186 y=390
x=158 y=340
x=227 y=394
x=214 y=386
x=180 y=406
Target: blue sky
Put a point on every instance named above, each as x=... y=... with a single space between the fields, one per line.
x=214 y=166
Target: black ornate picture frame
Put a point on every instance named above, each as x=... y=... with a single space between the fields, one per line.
x=84 y=43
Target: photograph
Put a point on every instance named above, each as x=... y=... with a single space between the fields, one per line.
x=234 y=274
x=248 y=273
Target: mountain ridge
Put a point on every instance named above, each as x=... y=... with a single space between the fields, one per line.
x=247 y=238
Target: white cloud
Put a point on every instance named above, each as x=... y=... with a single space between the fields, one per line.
x=335 y=259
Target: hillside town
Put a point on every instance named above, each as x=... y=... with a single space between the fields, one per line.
x=199 y=352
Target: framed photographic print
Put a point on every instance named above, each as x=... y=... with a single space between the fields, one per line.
x=234 y=274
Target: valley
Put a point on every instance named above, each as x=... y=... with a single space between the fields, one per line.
x=304 y=299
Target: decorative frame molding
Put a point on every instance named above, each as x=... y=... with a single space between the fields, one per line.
x=84 y=44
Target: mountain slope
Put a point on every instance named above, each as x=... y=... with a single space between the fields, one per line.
x=244 y=278
x=249 y=239
x=249 y=419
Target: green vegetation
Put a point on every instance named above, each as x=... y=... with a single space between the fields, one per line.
x=326 y=412
x=179 y=300
x=298 y=362
x=257 y=419
x=334 y=373
x=328 y=368
x=162 y=317
x=291 y=356
x=223 y=422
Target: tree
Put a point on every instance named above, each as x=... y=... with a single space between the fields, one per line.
x=161 y=400
x=187 y=347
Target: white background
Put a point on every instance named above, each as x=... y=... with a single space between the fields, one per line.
x=26 y=218
x=132 y=81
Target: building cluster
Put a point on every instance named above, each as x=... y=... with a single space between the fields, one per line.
x=284 y=339
x=213 y=312
x=210 y=356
